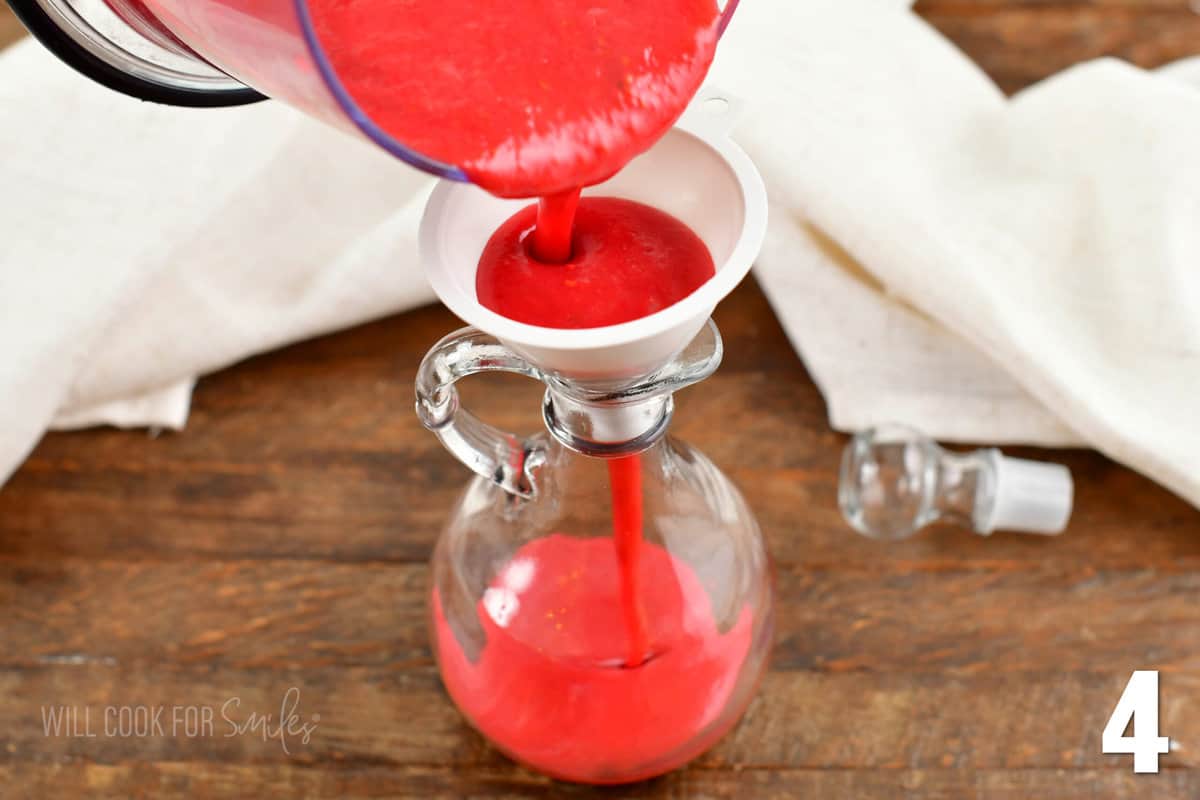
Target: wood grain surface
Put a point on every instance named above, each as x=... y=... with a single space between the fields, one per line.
x=280 y=544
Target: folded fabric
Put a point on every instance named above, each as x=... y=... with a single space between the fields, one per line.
x=1057 y=233
x=141 y=246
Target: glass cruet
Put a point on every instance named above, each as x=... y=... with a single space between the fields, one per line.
x=601 y=601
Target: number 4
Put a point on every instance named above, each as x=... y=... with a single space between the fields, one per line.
x=1138 y=702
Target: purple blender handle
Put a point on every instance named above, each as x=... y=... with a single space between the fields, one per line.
x=378 y=134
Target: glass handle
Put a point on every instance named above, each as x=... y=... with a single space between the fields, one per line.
x=488 y=452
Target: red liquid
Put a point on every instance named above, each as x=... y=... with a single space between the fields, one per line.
x=550 y=241
x=551 y=686
x=529 y=97
x=625 y=483
x=628 y=261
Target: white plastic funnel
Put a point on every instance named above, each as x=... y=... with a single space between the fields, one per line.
x=695 y=172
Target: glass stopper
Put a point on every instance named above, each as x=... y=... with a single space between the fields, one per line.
x=895 y=480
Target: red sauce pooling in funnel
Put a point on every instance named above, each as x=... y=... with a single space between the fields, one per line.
x=627 y=261
x=529 y=97
x=550 y=685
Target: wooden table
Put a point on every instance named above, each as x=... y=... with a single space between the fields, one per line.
x=280 y=544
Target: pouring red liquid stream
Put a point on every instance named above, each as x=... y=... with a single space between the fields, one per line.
x=628 y=251
x=552 y=234
x=609 y=659
x=625 y=480
x=516 y=252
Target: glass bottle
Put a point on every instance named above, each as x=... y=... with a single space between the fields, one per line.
x=601 y=602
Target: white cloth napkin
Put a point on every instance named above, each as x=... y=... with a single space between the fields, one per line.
x=989 y=270
x=1057 y=234
x=141 y=246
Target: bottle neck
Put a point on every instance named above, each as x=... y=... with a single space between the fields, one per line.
x=607 y=428
x=606 y=419
x=964 y=488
